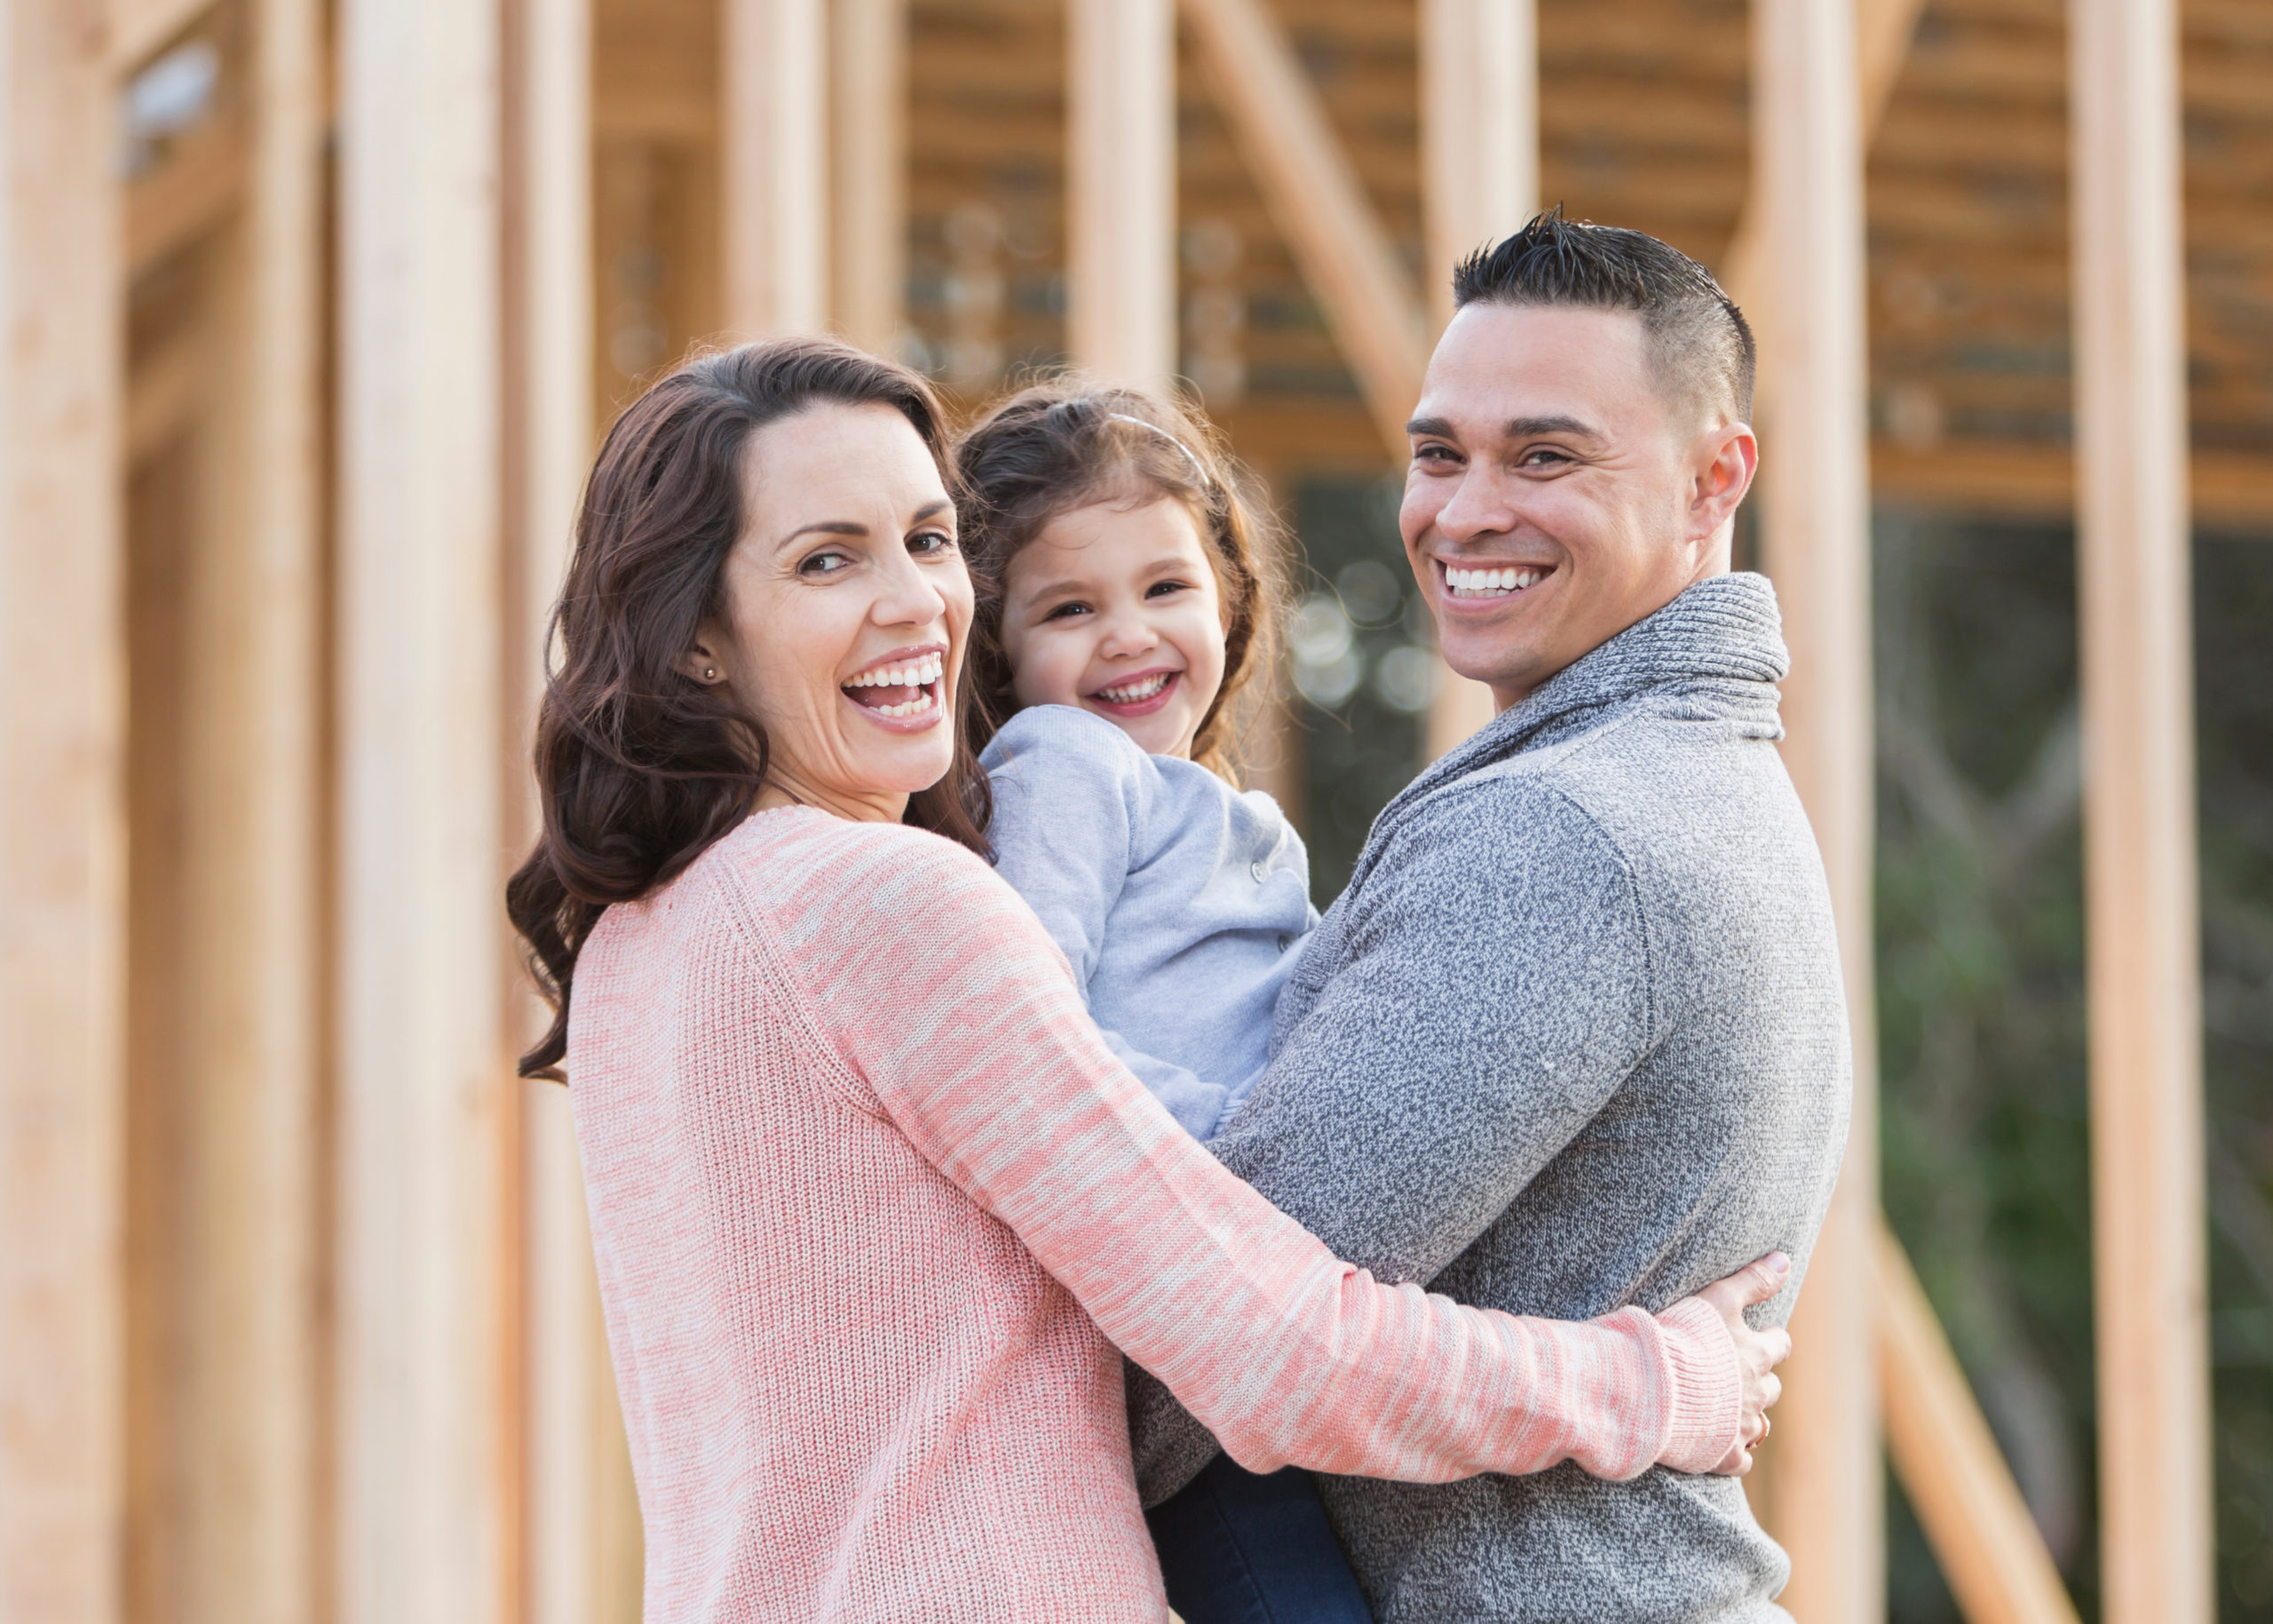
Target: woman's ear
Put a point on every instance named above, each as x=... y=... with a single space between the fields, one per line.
x=705 y=659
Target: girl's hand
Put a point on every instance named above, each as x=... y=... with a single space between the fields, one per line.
x=1758 y=1352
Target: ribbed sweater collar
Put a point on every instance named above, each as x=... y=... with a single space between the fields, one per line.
x=1720 y=645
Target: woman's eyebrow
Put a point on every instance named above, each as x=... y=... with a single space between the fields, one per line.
x=827 y=526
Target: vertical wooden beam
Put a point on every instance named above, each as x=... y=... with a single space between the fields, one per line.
x=2141 y=879
x=62 y=920
x=548 y=269
x=776 y=167
x=1815 y=516
x=1121 y=196
x=427 y=1473
x=868 y=108
x=1318 y=204
x=1479 y=163
x=249 y=1041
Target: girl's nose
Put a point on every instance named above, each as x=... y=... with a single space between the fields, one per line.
x=1128 y=633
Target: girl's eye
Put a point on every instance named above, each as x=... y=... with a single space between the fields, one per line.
x=931 y=544
x=1066 y=611
x=1162 y=589
x=825 y=564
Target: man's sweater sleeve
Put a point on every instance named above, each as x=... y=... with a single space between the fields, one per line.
x=1489 y=991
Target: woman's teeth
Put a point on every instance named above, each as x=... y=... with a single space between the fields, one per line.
x=918 y=677
x=1489 y=583
x=920 y=673
x=1130 y=694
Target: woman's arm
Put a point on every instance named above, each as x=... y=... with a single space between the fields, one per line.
x=977 y=1045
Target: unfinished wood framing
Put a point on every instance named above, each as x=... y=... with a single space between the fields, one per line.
x=245 y=1533
x=2141 y=878
x=1318 y=204
x=775 y=167
x=868 y=120
x=1120 y=189
x=427 y=1414
x=1815 y=522
x=62 y=952
x=1479 y=163
x=1956 y=1480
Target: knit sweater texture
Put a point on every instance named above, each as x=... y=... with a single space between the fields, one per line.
x=872 y=1203
x=1180 y=902
x=1574 y=1038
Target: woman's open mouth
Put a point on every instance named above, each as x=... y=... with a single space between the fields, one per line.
x=1475 y=584
x=902 y=690
x=1136 y=696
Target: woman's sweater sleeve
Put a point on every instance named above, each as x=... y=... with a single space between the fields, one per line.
x=959 y=1015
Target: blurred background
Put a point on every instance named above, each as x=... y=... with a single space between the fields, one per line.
x=316 y=312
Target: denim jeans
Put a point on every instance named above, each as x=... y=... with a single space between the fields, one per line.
x=1236 y=1548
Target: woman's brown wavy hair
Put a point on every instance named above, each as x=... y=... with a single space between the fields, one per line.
x=1067 y=444
x=639 y=767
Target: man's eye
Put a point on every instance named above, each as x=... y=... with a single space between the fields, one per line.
x=931 y=544
x=1438 y=456
x=825 y=564
x=1543 y=457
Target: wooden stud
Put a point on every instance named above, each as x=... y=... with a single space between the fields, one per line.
x=1479 y=163
x=1883 y=30
x=775 y=167
x=139 y=28
x=1317 y=203
x=63 y=943
x=1120 y=189
x=248 y=1145
x=1815 y=522
x=2140 y=876
x=1957 y=1481
x=427 y=1472
x=869 y=107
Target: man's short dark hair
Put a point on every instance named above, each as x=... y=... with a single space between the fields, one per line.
x=1700 y=344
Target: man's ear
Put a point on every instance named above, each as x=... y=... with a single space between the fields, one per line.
x=1724 y=458
x=705 y=659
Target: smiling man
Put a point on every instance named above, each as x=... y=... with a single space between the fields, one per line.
x=1573 y=1038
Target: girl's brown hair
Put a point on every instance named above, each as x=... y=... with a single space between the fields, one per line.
x=1063 y=445
x=639 y=767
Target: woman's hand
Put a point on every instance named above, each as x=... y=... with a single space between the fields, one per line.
x=1758 y=1352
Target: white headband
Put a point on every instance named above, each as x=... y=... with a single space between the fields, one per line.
x=1206 y=483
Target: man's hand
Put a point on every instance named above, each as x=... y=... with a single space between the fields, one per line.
x=1758 y=1352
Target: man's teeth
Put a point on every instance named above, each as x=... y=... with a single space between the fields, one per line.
x=1129 y=693
x=920 y=673
x=1489 y=583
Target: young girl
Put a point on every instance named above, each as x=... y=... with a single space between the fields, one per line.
x=1128 y=605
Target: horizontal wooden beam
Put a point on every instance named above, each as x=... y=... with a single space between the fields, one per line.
x=2231 y=488
x=1957 y=1481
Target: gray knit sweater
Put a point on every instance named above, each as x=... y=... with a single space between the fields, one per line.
x=1572 y=1039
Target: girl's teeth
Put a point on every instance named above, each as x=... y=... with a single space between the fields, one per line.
x=1133 y=692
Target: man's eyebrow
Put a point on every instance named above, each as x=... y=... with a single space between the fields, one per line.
x=1523 y=428
x=1437 y=426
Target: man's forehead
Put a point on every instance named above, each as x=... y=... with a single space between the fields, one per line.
x=1528 y=369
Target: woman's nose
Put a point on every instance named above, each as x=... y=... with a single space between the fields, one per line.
x=908 y=596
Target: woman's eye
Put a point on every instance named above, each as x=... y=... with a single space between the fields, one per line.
x=825 y=564
x=931 y=544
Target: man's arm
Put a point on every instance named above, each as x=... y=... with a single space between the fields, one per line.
x=1491 y=993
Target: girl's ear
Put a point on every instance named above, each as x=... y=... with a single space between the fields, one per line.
x=704 y=659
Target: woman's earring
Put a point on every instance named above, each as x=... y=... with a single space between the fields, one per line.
x=709 y=673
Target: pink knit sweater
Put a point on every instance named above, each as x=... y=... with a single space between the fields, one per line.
x=873 y=1205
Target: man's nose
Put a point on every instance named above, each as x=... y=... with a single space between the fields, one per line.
x=1477 y=507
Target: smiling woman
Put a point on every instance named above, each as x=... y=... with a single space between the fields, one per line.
x=875 y=1208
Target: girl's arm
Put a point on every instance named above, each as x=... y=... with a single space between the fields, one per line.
x=977 y=1045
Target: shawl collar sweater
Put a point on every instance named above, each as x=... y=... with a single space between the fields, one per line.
x=1573 y=1039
